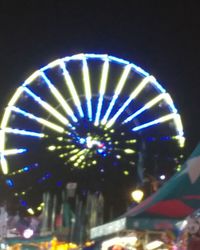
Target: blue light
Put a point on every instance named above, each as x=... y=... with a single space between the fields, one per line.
x=165 y=138
x=23 y=203
x=82 y=141
x=146 y=125
x=151 y=138
x=118 y=60
x=59 y=183
x=124 y=62
x=44 y=177
x=100 y=151
x=138 y=112
x=26 y=169
x=158 y=86
x=10 y=183
x=23 y=132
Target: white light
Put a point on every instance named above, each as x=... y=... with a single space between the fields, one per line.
x=154 y=244
x=3 y=246
x=122 y=241
x=182 y=225
x=162 y=177
x=28 y=233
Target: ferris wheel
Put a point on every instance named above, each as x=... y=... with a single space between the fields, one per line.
x=79 y=112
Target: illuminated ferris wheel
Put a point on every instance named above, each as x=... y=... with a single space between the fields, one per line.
x=84 y=110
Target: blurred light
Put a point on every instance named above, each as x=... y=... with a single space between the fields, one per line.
x=89 y=243
x=3 y=246
x=26 y=169
x=30 y=211
x=126 y=172
x=129 y=151
x=182 y=225
x=137 y=195
x=59 y=183
x=122 y=241
x=23 y=203
x=178 y=169
x=154 y=244
x=28 y=233
x=162 y=177
x=118 y=156
x=10 y=183
x=52 y=148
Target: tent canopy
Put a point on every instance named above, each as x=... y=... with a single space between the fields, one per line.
x=171 y=204
x=178 y=197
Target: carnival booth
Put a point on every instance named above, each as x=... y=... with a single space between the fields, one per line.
x=168 y=219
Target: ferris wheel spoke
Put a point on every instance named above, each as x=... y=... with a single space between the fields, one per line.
x=8 y=152
x=72 y=89
x=24 y=169
x=156 y=121
x=133 y=95
x=38 y=119
x=59 y=97
x=13 y=151
x=102 y=90
x=4 y=164
x=47 y=107
x=23 y=132
x=117 y=92
x=147 y=106
x=87 y=86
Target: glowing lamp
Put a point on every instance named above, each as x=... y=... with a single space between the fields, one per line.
x=137 y=195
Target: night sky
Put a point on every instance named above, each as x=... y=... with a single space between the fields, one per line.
x=162 y=38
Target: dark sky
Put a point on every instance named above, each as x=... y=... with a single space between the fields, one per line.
x=162 y=38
